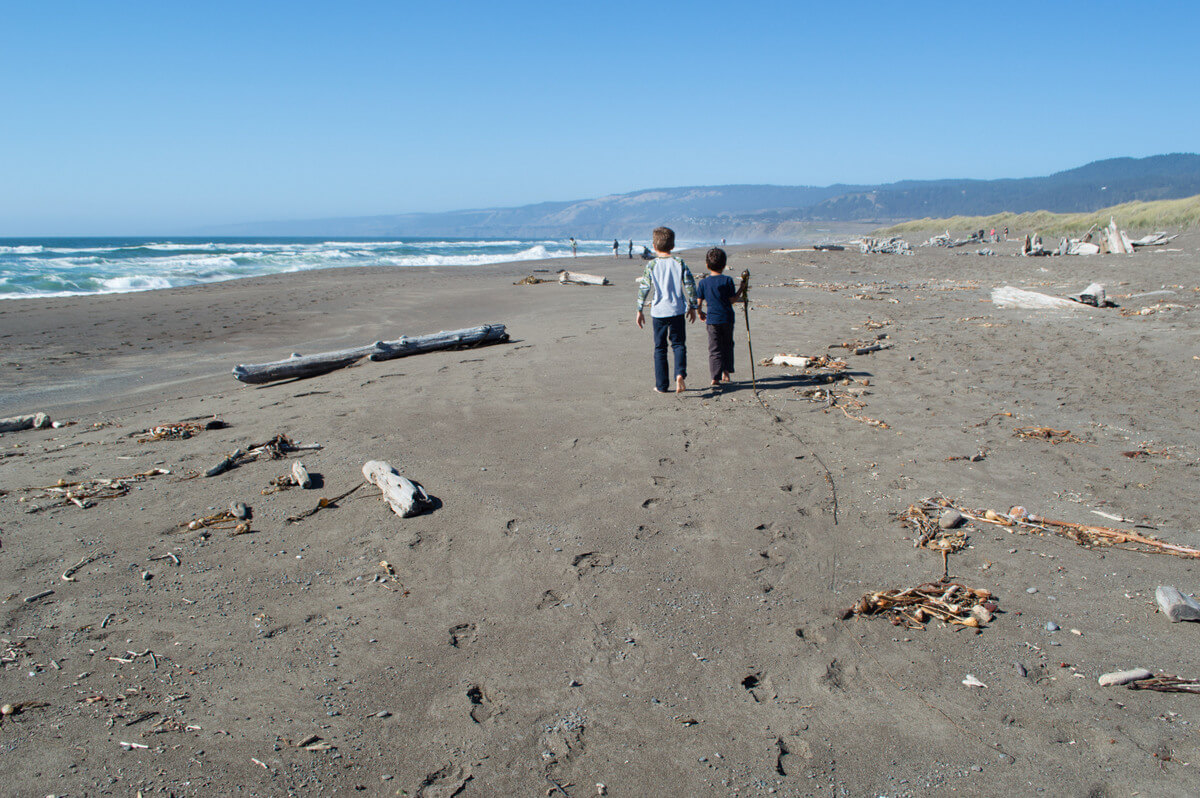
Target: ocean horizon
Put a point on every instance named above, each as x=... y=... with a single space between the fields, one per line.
x=83 y=266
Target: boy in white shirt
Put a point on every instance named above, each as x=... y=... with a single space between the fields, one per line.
x=674 y=298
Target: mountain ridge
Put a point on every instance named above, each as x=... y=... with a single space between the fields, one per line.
x=751 y=212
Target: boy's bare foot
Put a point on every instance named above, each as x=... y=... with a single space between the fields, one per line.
x=679 y=386
x=714 y=384
x=725 y=377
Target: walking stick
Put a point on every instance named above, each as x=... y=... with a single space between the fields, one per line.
x=744 y=292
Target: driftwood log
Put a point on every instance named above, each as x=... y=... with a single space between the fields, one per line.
x=298 y=366
x=18 y=423
x=1175 y=605
x=406 y=498
x=565 y=277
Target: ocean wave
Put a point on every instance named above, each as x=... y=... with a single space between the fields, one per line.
x=21 y=250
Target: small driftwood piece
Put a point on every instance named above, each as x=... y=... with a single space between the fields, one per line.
x=406 y=498
x=1165 y=683
x=1117 y=678
x=565 y=277
x=1176 y=606
x=275 y=448
x=323 y=503
x=799 y=361
x=300 y=475
x=19 y=423
x=298 y=366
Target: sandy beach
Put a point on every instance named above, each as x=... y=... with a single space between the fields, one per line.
x=617 y=588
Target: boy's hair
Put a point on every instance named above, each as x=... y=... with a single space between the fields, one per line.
x=715 y=259
x=664 y=239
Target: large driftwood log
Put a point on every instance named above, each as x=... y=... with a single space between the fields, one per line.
x=18 y=423
x=405 y=497
x=298 y=366
x=565 y=277
x=454 y=339
x=1175 y=605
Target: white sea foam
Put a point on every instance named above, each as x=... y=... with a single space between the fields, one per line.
x=25 y=250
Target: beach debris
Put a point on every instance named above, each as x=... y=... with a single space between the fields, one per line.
x=299 y=366
x=1153 y=240
x=865 y=347
x=950 y=602
x=403 y=495
x=1165 y=683
x=829 y=247
x=69 y=574
x=38 y=596
x=222 y=520
x=323 y=503
x=84 y=493
x=889 y=246
x=1032 y=247
x=799 y=361
x=24 y=422
x=531 y=280
x=1175 y=605
x=240 y=510
x=275 y=449
x=581 y=278
x=981 y=454
x=1055 y=436
x=806 y=361
x=1114 y=240
x=971 y=681
x=180 y=430
x=1124 y=677
x=300 y=475
x=1089 y=535
x=1093 y=295
x=1009 y=297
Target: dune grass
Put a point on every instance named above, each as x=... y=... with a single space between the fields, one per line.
x=1133 y=217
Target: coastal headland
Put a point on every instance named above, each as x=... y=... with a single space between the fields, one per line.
x=614 y=587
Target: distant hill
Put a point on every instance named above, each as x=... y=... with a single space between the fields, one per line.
x=763 y=212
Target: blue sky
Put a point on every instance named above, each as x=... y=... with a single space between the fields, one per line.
x=162 y=117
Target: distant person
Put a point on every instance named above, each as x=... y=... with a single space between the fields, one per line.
x=574 y=247
x=722 y=242
x=1006 y=232
x=994 y=239
x=674 y=299
x=631 y=249
x=717 y=291
x=616 y=247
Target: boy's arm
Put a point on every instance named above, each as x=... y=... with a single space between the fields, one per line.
x=689 y=291
x=644 y=285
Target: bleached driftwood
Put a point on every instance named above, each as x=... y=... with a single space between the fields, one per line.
x=1153 y=240
x=1115 y=241
x=1083 y=248
x=298 y=366
x=891 y=246
x=1175 y=605
x=565 y=277
x=791 y=360
x=1009 y=297
x=1093 y=295
x=405 y=497
x=18 y=423
x=454 y=339
x=300 y=475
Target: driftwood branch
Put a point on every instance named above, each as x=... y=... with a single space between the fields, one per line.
x=18 y=423
x=565 y=277
x=405 y=497
x=298 y=366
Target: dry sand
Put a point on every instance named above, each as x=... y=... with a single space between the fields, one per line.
x=619 y=587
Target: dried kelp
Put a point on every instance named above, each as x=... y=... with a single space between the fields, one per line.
x=950 y=602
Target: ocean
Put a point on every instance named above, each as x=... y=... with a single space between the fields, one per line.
x=53 y=267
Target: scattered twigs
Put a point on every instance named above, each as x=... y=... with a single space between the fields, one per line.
x=1055 y=436
x=69 y=574
x=83 y=493
x=275 y=448
x=1165 y=683
x=949 y=602
x=180 y=430
x=225 y=519
x=847 y=401
x=988 y=420
x=1087 y=535
x=168 y=556
x=322 y=503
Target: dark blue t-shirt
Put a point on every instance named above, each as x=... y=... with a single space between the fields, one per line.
x=717 y=291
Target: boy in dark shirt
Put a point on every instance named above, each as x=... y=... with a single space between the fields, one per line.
x=716 y=294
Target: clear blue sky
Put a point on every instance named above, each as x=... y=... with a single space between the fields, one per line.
x=161 y=117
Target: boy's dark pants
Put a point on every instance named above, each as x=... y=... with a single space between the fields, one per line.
x=670 y=327
x=720 y=350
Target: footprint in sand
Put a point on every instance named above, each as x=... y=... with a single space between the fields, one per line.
x=481 y=705
x=463 y=635
x=549 y=599
x=589 y=560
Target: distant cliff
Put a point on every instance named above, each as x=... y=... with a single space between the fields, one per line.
x=764 y=213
